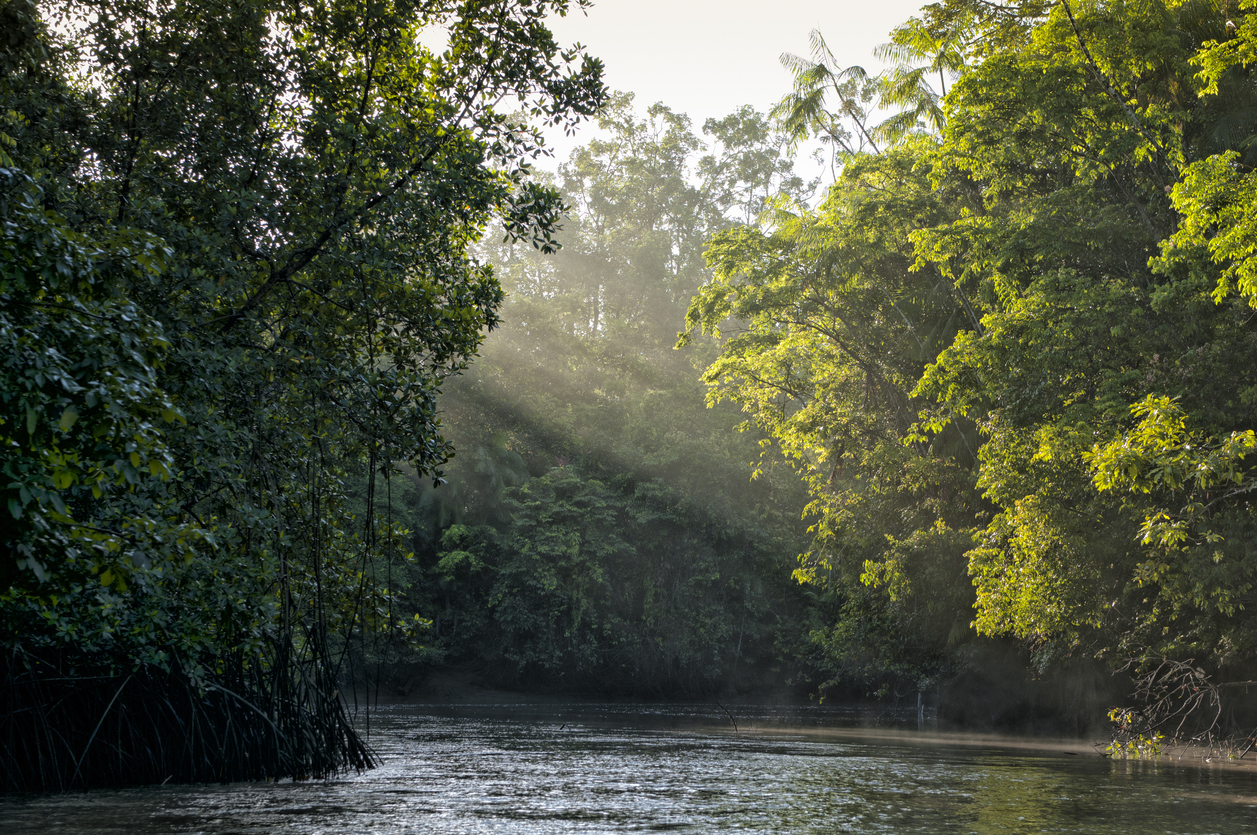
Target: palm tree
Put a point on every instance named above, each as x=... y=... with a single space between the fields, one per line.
x=836 y=105
x=919 y=53
x=803 y=113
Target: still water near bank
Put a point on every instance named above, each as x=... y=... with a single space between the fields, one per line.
x=594 y=769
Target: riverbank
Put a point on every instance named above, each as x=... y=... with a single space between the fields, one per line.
x=466 y=685
x=768 y=713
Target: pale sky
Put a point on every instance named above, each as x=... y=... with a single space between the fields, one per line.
x=707 y=57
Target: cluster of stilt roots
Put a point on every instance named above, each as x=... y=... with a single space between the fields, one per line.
x=67 y=726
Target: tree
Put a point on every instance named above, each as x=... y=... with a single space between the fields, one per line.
x=910 y=89
x=804 y=113
x=286 y=196
x=825 y=328
x=1077 y=327
x=1087 y=235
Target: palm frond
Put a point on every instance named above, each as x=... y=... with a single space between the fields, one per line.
x=795 y=63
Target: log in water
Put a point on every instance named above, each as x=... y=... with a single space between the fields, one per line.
x=582 y=769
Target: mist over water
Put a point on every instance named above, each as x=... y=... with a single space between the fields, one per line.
x=595 y=769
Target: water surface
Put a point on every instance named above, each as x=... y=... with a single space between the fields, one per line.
x=582 y=769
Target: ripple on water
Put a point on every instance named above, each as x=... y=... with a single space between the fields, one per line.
x=576 y=769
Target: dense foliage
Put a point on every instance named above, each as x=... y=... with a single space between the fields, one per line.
x=236 y=270
x=1011 y=352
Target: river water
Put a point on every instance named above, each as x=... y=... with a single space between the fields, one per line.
x=600 y=769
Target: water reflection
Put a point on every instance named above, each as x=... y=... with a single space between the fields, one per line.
x=575 y=769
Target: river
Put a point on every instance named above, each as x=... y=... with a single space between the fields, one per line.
x=625 y=768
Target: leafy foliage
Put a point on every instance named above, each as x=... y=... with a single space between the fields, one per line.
x=1025 y=330
x=237 y=270
x=838 y=328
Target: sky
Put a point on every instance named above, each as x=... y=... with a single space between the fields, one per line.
x=706 y=58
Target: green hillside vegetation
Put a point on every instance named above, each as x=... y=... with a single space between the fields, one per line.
x=598 y=530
